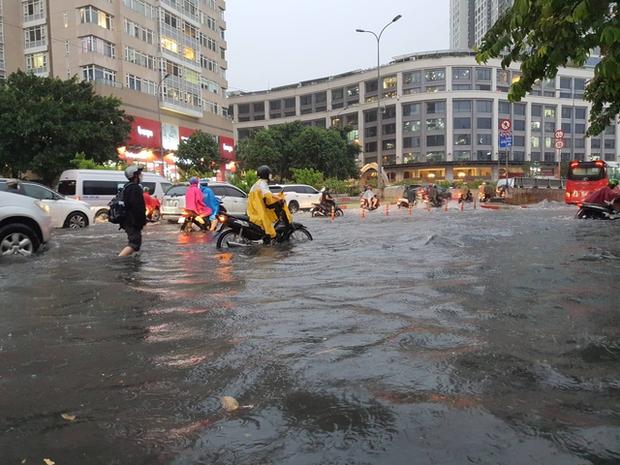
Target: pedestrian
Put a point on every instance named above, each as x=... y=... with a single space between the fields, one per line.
x=135 y=211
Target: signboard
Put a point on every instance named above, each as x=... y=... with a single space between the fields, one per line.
x=559 y=144
x=505 y=140
x=505 y=125
x=559 y=134
x=170 y=136
x=227 y=148
x=185 y=133
x=144 y=133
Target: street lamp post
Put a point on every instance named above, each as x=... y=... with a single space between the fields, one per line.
x=161 y=132
x=379 y=92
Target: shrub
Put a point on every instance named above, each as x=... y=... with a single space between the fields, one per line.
x=244 y=181
x=308 y=176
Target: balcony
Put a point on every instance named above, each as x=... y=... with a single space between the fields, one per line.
x=178 y=106
x=186 y=8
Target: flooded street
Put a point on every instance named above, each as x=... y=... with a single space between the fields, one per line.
x=483 y=337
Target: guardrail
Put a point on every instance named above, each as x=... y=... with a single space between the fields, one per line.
x=539 y=183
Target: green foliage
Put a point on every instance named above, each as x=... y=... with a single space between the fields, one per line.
x=293 y=145
x=244 y=181
x=308 y=176
x=44 y=122
x=337 y=186
x=82 y=163
x=198 y=155
x=444 y=183
x=546 y=34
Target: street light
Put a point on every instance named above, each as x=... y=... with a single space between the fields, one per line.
x=161 y=132
x=379 y=127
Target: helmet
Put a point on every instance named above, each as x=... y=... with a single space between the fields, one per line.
x=323 y=189
x=204 y=183
x=613 y=182
x=263 y=172
x=147 y=190
x=193 y=180
x=132 y=170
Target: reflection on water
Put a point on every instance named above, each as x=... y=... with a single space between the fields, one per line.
x=480 y=337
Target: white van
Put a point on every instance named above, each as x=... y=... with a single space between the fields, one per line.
x=98 y=187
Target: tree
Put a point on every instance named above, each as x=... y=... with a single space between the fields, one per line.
x=44 y=122
x=546 y=34
x=293 y=145
x=308 y=176
x=199 y=154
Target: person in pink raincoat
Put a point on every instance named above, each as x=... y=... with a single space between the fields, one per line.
x=194 y=199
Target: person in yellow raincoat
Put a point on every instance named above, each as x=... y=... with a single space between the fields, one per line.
x=264 y=207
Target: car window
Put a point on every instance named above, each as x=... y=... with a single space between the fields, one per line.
x=37 y=192
x=150 y=185
x=310 y=190
x=101 y=187
x=289 y=189
x=165 y=186
x=176 y=191
x=232 y=192
x=275 y=188
x=66 y=187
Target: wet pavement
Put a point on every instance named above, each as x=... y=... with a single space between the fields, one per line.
x=484 y=337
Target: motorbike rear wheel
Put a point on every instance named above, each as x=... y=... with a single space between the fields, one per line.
x=339 y=212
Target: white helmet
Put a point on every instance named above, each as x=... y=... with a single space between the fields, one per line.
x=131 y=171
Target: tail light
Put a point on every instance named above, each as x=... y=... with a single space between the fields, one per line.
x=221 y=218
x=599 y=163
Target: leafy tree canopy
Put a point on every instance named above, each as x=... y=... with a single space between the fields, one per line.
x=546 y=34
x=199 y=154
x=293 y=145
x=44 y=122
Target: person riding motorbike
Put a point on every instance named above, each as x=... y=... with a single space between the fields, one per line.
x=433 y=195
x=212 y=202
x=327 y=201
x=151 y=203
x=194 y=199
x=466 y=195
x=265 y=208
x=606 y=196
x=485 y=192
x=369 y=199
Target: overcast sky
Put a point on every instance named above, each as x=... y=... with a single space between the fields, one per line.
x=277 y=42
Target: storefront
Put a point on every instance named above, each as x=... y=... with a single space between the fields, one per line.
x=155 y=147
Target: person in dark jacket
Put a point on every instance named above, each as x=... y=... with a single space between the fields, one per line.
x=135 y=208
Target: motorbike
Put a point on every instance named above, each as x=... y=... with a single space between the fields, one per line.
x=153 y=214
x=466 y=197
x=597 y=211
x=365 y=204
x=320 y=209
x=239 y=231
x=192 y=221
x=409 y=198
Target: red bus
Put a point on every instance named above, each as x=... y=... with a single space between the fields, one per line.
x=584 y=177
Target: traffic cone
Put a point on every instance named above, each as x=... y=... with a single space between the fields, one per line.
x=333 y=213
x=463 y=205
x=387 y=209
x=410 y=210
x=445 y=208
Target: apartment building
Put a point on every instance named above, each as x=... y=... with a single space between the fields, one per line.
x=165 y=59
x=441 y=116
x=471 y=19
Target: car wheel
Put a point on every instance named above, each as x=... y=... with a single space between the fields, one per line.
x=76 y=220
x=102 y=216
x=18 y=239
x=293 y=206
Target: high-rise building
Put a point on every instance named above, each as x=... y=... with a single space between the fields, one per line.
x=471 y=19
x=165 y=59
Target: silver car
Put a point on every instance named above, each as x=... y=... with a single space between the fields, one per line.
x=234 y=199
x=25 y=224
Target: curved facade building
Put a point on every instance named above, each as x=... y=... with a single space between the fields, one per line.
x=441 y=115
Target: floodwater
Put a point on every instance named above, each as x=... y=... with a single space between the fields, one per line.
x=483 y=337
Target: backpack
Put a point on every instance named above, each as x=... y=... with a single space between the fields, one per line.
x=118 y=211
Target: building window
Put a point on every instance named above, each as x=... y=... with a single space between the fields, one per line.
x=518 y=125
x=36 y=63
x=484 y=139
x=91 y=15
x=411 y=109
x=504 y=107
x=461 y=74
x=435 y=107
x=567 y=112
x=135 y=30
x=92 y=44
x=35 y=36
x=536 y=110
x=483 y=123
x=580 y=113
x=411 y=127
x=535 y=142
x=98 y=74
x=438 y=74
x=462 y=155
x=461 y=106
x=415 y=77
x=435 y=141
x=462 y=139
x=389 y=82
x=462 y=123
x=142 y=85
x=549 y=112
x=435 y=124
x=483 y=74
x=484 y=106
x=33 y=10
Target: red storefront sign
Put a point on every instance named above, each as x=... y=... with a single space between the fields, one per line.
x=185 y=133
x=144 y=133
x=227 y=148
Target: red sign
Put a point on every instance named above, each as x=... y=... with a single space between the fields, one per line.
x=227 y=148
x=559 y=144
x=144 y=133
x=559 y=134
x=185 y=133
x=505 y=125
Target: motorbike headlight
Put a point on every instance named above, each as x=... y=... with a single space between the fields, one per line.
x=42 y=206
x=221 y=218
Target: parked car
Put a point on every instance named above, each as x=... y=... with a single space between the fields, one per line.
x=25 y=224
x=98 y=187
x=298 y=196
x=65 y=213
x=234 y=199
